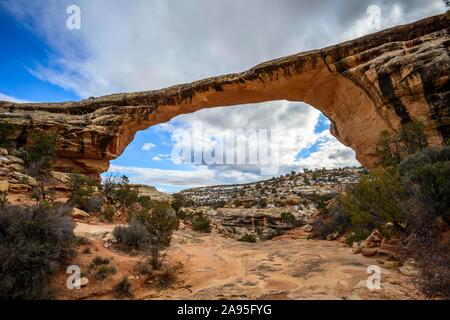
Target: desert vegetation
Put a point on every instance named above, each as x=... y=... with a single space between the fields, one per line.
x=34 y=243
x=406 y=194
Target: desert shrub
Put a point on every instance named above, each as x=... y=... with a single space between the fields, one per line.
x=98 y=261
x=41 y=152
x=108 y=213
x=134 y=236
x=86 y=251
x=166 y=278
x=34 y=243
x=160 y=222
x=376 y=199
x=426 y=177
x=81 y=188
x=287 y=217
x=122 y=289
x=143 y=268
x=6 y=130
x=263 y=203
x=178 y=202
x=79 y=241
x=392 y=148
x=248 y=238
x=201 y=223
x=104 y=271
x=124 y=193
x=109 y=185
x=357 y=235
x=145 y=202
x=93 y=204
x=413 y=137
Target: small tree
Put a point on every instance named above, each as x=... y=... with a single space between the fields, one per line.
x=41 y=151
x=413 y=137
x=160 y=222
x=387 y=150
x=376 y=199
x=80 y=187
x=178 y=201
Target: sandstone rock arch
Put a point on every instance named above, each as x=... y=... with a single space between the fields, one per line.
x=363 y=86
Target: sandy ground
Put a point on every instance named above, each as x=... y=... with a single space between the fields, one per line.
x=215 y=267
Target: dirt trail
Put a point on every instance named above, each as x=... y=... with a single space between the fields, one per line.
x=215 y=267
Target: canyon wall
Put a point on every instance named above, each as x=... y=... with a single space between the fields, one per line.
x=363 y=86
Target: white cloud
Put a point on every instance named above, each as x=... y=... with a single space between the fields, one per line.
x=330 y=154
x=142 y=45
x=148 y=146
x=157 y=158
x=4 y=97
x=197 y=177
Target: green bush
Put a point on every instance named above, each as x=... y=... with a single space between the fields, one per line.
x=145 y=202
x=122 y=289
x=93 y=204
x=98 y=261
x=287 y=217
x=41 y=150
x=160 y=222
x=375 y=200
x=426 y=177
x=104 y=271
x=178 y=202
x=134 y=236
x=248 y=238
x=34 y=243
x=108 y=213
x=81 y=188
x=6 y=130
x=357 y=235
x=201 y=223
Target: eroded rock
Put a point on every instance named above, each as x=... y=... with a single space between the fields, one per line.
x=364 y=86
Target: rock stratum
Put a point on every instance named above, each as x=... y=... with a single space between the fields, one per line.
x=363 y=86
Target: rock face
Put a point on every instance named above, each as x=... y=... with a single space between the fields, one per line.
x=363 y=86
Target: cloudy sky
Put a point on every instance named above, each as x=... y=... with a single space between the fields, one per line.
x=149 y=44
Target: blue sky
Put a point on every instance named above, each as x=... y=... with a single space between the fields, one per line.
x=141 y=45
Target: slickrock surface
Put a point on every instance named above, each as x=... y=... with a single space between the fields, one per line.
x=215 y=267
x=363 y=86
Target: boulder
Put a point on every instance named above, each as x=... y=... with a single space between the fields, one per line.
x=307 y=228
x=409 y=271
x=356 y=247
x=23 y=178
x=60 y=176
x=374 y=240
x=369 y=252
x=79 y=214
x=3 y=152
x=84 y=282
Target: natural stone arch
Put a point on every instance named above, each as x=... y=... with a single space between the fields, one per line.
x=363 y=86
